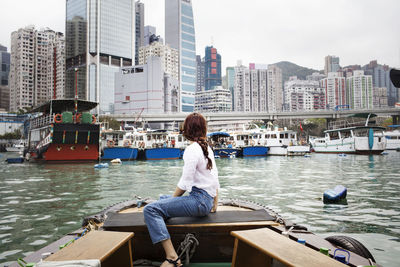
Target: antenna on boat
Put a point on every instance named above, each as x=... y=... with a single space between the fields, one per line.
x=366 y=122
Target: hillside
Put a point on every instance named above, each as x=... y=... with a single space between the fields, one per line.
x=291 y=69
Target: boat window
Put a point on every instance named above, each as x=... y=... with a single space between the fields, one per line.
x=148 y=137
x=267 y=136
x=334 y=135
x=180 y=139
x=292 y=136
x=361 y=132
x=345 y=134
x=273 y=136
x=281 y=136
x=286 y=135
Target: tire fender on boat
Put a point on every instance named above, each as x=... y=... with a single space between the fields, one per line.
x=58 y=118
x=350 y=244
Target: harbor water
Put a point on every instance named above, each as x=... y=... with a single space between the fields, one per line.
x=40 y=203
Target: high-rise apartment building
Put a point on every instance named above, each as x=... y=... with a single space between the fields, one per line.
x=380 y=78
x=180 y=34
x=169 y=57
x=37 y=67
x=139 y=29
x=274 y=89
x=4 y=72
x=242 y=89
x=230 y=83
x=199 y=74
x=331 y=64
x=212 y=68
x=360 y=90
x=303 y=95
x=335 y=90
x=217 y=99
x=100 y=38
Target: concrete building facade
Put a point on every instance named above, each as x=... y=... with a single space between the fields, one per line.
x=199 y=74
x=180 y=34
x=360 y=90
x=334 y=87
x=230 y=83
x=139 y=29
x=169 y=57
x=274 y=89
x=217 y=99
x=100 y=38
x=380 y=97
x=303 y=95
x=37 y=72
x=145 y=88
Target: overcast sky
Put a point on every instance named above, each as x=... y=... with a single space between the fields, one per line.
x=260 y=31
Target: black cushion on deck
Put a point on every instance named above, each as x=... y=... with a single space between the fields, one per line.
x=136 y=218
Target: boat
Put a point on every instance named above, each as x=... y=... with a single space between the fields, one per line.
x=353 y=139
x=15 y=160
x=222 y=145
x=119 y=144
x=336 y=195
x=239 y=234
x=162 y=145
x=249 y=144
x=63 y=130
x=393 y=137
x=17 y=147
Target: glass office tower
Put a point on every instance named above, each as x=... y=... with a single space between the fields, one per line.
x=100 y=38
x=212 y=68
x=180 y=34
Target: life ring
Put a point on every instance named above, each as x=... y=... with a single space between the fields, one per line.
x=110 y=143
x=93 y=119
x=58 y=118
x=127 y=143
x=78 y=117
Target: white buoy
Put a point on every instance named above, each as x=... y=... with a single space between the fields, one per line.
x=116 y=161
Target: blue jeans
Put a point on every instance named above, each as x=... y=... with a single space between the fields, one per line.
x=198 y=203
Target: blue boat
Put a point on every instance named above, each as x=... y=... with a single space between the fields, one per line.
x=161 y=153
x=254 y=151
x=336 y=195
x=123 y=153
x=15 y=160
x=219 y=143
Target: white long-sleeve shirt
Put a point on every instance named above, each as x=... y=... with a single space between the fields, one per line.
x=195 y=172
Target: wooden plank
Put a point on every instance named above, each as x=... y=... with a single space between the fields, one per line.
x=283 y=249
x=245 y=255
x=94 y=245
x=259 y=223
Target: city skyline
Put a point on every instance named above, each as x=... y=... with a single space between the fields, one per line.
x=356 y=31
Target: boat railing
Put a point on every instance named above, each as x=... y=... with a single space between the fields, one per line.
x=41 y=121
x=344 y=124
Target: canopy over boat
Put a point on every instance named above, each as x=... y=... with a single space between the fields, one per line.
x=219 y=134
x=363 y=115
x=61 y=105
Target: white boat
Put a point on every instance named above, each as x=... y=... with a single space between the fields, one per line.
x=352 y=140
x=393 y=138
x=280 y=142
x=17 y=147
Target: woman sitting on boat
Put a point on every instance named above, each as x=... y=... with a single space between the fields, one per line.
x=199 y=178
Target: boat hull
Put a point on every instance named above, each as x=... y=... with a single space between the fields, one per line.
x=123 y=153
x=225 y=152
x=254 y=151
x=162 y=153
x=70 y=152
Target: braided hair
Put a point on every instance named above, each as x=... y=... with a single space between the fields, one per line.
x=195 y=129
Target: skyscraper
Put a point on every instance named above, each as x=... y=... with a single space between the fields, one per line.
x=180 y=34
x=36 y=68
x=139 y=29
x=359 y=90
x=4 y=72
x=331 y=64
x=100 y=38
x=230 y=81
x=212 y=68
x=335 y=90
x=199 y=74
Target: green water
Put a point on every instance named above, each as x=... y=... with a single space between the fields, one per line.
x=40 y=203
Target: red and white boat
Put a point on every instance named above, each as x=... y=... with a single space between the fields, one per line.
x=64 y=131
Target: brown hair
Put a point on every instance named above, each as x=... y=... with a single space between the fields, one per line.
x=195 y=129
